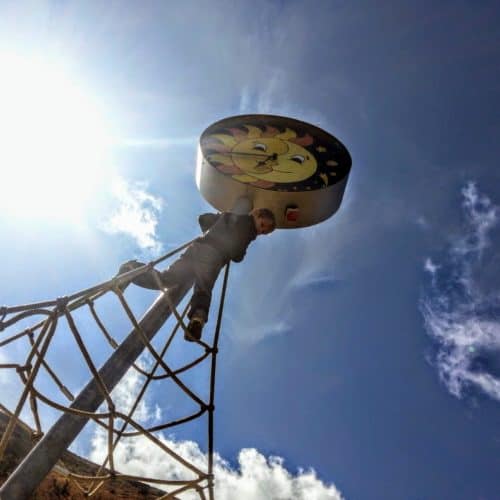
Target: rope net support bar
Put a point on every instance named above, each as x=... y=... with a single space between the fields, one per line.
x=38 y=463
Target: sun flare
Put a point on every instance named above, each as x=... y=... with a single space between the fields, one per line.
x=53 y=148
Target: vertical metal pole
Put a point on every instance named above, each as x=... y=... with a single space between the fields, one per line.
x=242 y=206
x=42 y=458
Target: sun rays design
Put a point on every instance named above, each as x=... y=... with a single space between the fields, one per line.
x=261 y=157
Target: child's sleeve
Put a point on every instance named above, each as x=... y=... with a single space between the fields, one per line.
x=206 y=221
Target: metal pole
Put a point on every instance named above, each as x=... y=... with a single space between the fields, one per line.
x=242 y=206
x=42 y=458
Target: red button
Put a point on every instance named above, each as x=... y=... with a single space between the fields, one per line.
x=292 y=214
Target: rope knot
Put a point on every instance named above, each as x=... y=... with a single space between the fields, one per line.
x=36 y=435
x=24 y=368
x=61 y=303
x=115 y=283
x=3 y=313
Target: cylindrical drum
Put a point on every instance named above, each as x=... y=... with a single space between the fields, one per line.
x=295 y=169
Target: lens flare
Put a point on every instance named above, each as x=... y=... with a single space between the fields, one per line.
x=54 y=142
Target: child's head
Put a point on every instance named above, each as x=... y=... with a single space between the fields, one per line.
x=264 y=219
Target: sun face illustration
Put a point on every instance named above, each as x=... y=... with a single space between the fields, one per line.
x=262 y=158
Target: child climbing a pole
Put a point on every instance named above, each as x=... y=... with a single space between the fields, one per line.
x=226 y=236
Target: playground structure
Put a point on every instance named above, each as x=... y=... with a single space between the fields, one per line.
x=295 y=169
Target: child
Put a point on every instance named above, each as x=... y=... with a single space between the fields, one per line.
x=226 y=237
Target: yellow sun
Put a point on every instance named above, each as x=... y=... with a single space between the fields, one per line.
x=52 y=152
x=262 y=157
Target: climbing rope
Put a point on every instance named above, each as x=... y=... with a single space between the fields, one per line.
x=118 y=424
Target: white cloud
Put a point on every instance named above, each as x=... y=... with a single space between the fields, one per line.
x=255 y=478
x=273 y=94
x=135 y=215
x=430 y=267
x=125 y=393
x=277 y=275
x=458 y=313
x=255 y=311
x=422 y=222
x=246 y=100
x=250 y=331
x=481 y=215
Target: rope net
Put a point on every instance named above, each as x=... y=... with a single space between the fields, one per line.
x=33 y=331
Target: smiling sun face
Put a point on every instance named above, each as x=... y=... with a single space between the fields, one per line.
x=262 y=158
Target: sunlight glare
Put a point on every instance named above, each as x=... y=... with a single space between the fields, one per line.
x=53 y=151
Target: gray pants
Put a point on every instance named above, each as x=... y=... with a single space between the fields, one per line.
x=199 y=265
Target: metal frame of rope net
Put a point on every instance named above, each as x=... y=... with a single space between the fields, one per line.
x=40 y=335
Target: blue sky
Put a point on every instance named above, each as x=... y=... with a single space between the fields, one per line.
x=367 y=348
